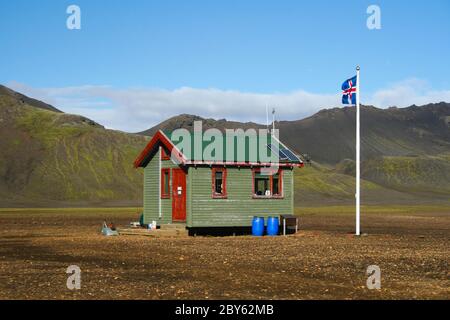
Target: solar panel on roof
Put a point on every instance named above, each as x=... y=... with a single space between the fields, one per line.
x=289 y=154
x=281 y=154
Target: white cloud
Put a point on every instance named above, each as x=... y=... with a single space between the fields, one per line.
x=137 y=109
x=406 y=93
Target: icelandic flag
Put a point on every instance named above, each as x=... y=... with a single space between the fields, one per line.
x=349 y=91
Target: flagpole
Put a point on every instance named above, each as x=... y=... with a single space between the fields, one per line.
x=358 y=154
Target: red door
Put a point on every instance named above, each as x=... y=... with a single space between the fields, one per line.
x=178 y=195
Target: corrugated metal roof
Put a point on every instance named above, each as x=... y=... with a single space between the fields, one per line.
x=241 y=148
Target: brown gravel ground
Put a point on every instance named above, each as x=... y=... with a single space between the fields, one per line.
x=322 y=261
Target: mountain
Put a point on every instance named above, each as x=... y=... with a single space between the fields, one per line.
x=22 y=99
x=405 y=152
x=329 y=135
x=186 y=121
x=50 y=158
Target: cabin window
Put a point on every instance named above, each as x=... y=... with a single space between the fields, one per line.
x=164 y=154
x=165 y=183
x=267 y=185
x=219 y=183
x=262 y=184
x=276 y=185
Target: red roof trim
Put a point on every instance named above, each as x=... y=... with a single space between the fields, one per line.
x=159 y=137
x=244 y=164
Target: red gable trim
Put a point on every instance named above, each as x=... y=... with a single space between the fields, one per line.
x=161 y=138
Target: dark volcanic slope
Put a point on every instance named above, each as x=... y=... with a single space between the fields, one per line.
x=329 y=135
x=4 y=91
x=186 y=121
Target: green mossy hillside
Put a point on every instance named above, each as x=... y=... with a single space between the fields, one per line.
x=49 y=156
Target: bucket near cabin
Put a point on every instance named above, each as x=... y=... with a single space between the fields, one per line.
x=272 y=226
x=258 y=226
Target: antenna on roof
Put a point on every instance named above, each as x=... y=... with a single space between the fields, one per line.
x=273 y=121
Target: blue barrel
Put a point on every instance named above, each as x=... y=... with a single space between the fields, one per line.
x=272 y=226
x=258 y=226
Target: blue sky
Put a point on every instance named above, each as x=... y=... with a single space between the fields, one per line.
x=142 y=57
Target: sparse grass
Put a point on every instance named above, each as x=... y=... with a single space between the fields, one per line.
x=411 y=174
x=385 y=210
x=387 y=180
x=71 y=212
x=41 y=123
x=327 y=182
x=325 y=210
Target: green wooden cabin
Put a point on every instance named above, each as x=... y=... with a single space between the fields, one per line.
x=211 y=193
